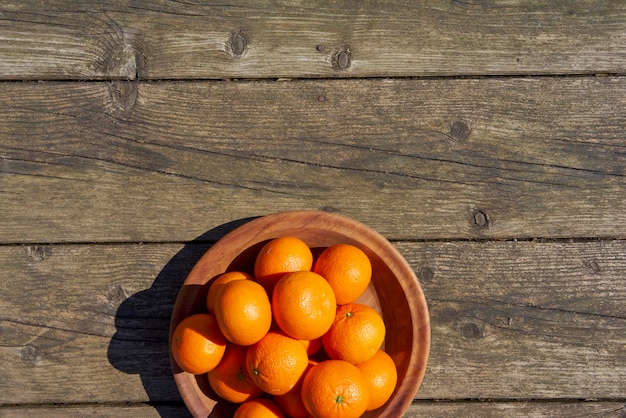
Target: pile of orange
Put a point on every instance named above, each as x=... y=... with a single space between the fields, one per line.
x=288 y=339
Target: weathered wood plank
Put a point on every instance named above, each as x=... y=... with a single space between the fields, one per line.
x=510 y=320
x=101 y=410
x=421 y=409
x=517 y=409
x=536 y=315
x=243 y=39
x=415 y=159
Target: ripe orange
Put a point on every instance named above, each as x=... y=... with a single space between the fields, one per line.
x=230 y=379
x=335 y=389
x=276 y=362
x=348 y=270
x=381 y=374
x=219 y=282
x=258 y=408
x=357 y=333
x=281 y=256
x=303 y=305
x=291 y=402
x=197 y=344
x=243 y=311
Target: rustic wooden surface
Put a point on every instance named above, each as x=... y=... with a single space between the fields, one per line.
x=418 y=409
x=540 y=157
x=243 y=39
x=486 y=139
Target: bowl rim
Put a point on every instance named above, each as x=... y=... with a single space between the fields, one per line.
x=421 y=340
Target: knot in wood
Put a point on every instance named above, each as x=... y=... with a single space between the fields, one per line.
x=121 y=62
x=592 y=265
x=343 y=59
x=471 y=331
x=37 y=252
x=31 y=354
x=460 y=130
x=123 y=95
x=480 y=218
x=116 y=295
x=238 y=43
x=425 y=274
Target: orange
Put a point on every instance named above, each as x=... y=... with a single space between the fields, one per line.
x=303 y=305
x=276 y=363
x=281 y=256
x=357 y=333
x=291 y=402
x=243 y=311
x=219 y=282
x=258 y=408
x=335 y=389
x=381 y=374
x=347 y=269
x=197 y=344
x=230 y=379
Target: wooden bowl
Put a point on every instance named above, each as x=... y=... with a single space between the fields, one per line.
x=394 y=292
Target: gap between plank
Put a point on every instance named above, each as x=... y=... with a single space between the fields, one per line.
x=540 y=240
x=415 y=402
x=287 y=79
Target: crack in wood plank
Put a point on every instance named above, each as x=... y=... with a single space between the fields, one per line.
x=488 y=302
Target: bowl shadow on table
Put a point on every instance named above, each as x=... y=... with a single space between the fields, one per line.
x=140 y=343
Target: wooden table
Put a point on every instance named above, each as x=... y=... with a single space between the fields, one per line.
x=485 y=139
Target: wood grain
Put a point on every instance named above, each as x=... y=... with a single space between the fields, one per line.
x=502 y=307
x=414 y=159
x=510 y=320
x=421 y=409
x=265 y=39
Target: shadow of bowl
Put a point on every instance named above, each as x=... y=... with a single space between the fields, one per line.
x=140 y=343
